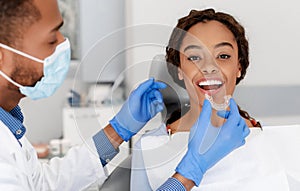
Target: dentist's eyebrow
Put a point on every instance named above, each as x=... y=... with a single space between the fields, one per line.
x=223 y=44
x=58 y=26
x=191 y=47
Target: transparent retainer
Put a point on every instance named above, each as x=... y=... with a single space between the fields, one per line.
x=218 y=106
x=216 y=95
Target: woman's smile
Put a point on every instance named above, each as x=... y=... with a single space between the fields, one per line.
x=210 y=86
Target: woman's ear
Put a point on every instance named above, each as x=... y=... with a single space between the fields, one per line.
x=180 y=74
x=1 y=57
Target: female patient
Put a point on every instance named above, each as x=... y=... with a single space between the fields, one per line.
x=250 y=167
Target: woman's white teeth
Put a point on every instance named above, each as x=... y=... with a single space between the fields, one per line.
x=210 y=83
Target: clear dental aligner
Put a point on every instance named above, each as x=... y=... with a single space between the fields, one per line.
x=219 y=106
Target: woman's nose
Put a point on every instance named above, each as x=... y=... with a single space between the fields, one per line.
x=209 y=68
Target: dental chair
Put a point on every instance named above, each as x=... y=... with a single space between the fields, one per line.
x=119 y=179
x=258 y=100
x=175 y=98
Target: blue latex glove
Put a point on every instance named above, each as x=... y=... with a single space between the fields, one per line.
x=142 y=105
x=231 y=136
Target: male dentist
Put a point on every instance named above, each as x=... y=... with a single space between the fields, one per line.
x=34 y=60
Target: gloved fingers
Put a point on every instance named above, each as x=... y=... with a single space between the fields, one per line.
x=154 y=96
x=243 y=127
x=241 y=144
x=149 y=86
x=154 y=102
x=224 y=114
x=158 y=85
x=204 y=118
x=143 y=87
x=246 y=131
x=155 y=107
x=206 y=111
x=158 y=107
x=238 y=144
x=152 y=111
x=233 y=107
x=157 y=96
x=242 y=131
x=234 y=115
x=239 y=127
x=201 y=125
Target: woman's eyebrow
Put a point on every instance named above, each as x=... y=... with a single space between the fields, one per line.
x=200 y=47
x=223 y=44
x=192 y=47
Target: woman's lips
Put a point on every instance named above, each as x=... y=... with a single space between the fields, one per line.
x=210 y=86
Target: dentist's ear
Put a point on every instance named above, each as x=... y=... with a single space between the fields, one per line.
x=239 y=73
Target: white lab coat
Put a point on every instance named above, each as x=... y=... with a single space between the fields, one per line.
x=268 y=161
x=20 y=169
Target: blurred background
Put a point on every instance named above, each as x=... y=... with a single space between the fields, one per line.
x=114 y=41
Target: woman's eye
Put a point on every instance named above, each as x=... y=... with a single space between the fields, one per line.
x=224 y=56
x=194 y=58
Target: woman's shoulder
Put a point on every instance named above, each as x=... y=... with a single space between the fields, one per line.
x=161 y=130
x=152 y=134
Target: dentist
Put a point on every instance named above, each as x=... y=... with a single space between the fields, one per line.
x=34 y=60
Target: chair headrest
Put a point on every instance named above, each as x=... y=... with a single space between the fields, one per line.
x=173 y=93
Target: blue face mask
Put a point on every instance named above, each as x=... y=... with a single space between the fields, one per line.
x=56 y=67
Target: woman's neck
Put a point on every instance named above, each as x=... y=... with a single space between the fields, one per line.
x=186 y=122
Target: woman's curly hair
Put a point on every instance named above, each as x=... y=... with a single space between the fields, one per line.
x=194 y=17
x=179 y=32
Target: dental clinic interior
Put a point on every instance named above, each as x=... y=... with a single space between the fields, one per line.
x=115 y=45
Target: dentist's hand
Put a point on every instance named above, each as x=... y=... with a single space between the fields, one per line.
x=142 y=105
x=231 y=136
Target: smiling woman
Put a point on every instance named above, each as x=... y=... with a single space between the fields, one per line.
x=207 y=55
x=221 y=55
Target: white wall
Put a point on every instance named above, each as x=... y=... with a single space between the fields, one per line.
x=272 y=28
x=101 y=40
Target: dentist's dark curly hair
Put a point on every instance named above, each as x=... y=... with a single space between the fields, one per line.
x=15 y=17
x=194 y=17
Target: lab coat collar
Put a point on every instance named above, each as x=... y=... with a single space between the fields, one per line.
x=14 y=121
